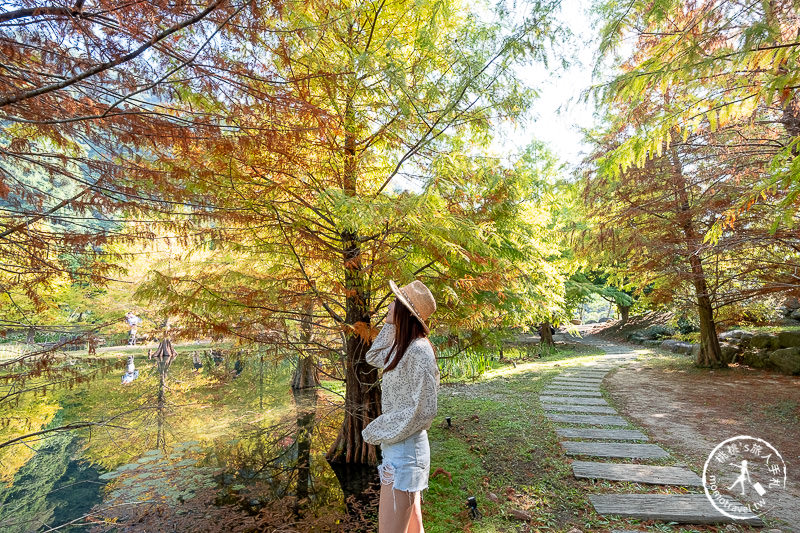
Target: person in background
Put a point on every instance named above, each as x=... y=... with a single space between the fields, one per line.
x=133 y=322
x=409 y=388
x=196 y=362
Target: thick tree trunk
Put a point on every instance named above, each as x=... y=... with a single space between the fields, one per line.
x=362 y=402
x=545 y=334
x=362 y=394
x=306 y=375
x=791 y=116
x=624 y=313
x=710 y=354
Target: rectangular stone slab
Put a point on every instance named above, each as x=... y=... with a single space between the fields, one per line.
x=615 y=449
x=567 y=388
x=573 y=400
x=654 y=475
x=562 y=383
x=577 y=380
x=566 y=408
x=683 y=508
x=568 y=385
x=595 y=420
x=570 y=392
x=596 y=433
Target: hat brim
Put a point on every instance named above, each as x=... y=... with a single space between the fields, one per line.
x=403 y=300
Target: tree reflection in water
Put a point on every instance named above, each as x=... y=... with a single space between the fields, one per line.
x=262 y=471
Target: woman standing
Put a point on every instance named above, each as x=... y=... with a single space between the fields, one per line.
x=409 y=387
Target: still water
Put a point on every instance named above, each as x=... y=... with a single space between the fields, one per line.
x=187 y=449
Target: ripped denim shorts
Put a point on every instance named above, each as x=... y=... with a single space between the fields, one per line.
x=406 y=463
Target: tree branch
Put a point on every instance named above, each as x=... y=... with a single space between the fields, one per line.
x=19 y=97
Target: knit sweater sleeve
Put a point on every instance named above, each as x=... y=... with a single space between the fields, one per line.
x=419 y=388
x=381 y=346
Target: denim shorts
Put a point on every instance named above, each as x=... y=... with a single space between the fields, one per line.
x=407 y=463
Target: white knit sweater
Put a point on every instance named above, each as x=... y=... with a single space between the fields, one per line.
x=408 y=392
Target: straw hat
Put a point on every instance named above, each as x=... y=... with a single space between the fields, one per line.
x=417 y=298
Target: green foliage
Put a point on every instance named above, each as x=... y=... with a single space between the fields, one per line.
x=720 y=66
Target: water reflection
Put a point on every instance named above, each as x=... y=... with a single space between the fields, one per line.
x=197 y=447
x=53 y=488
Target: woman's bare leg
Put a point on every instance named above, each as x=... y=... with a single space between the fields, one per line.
x=415 y=520
x=394 y=510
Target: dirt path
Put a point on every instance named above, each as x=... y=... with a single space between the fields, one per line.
x=690 y=411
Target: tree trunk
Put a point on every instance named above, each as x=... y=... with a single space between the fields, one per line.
x=624 y=313
x=710 y=354
x=362 y=403
x=306 y=405
x=362 y=394
x=161 y=404
x=306 y=375
x=545 y=334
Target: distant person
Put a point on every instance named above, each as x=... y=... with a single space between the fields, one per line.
x=409 y=388
x=196 y=362
x=238 y=367
x=133 y=322
x=131 y=373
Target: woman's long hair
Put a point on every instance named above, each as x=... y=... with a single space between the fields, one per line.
x=407 y=328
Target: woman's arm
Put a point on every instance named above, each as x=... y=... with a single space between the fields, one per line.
x=381 y=346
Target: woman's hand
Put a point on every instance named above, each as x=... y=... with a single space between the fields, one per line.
x=390 y=314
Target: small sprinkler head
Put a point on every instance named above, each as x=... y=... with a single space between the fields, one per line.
x=449 y=421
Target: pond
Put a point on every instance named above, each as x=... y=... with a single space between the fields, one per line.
x=185 y=448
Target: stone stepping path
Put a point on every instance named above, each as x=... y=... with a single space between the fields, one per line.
x=567 y=408
x=574 y=397
x=594 y=420
x=654 y=475
x=578 y=381
x=604 y=434
x=575 y=386
x=573 y=400
x=567 y=392
x=615 y=449
x=682 y=508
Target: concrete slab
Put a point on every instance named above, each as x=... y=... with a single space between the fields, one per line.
x=595 y=420
x=567 y=408
x=682 y=508
x=653 y=475
x=601 y=434
x=572 y=392
x=615 y=449
x=572 y=400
